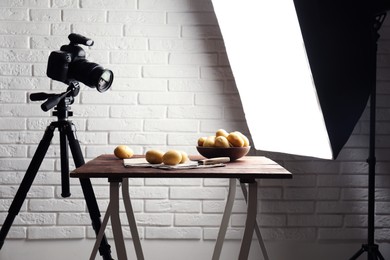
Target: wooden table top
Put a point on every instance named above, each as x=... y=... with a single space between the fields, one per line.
x=248 y=167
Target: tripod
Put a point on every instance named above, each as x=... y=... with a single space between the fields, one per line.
x=61 y=103
x=371 y=248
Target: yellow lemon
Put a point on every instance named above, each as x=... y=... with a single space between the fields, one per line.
x=221 y=141
x=123 y=152
x=172 y=157
x=235 y=139
x=154 y=156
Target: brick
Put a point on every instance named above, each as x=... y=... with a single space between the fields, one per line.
x=153 y=219
x=137 y=57
x=193 y=59
x=13 y=14
x=182 y=45
x=137 y=138
x=111 y=96
x=342 y=233
x=24 y=28
x=199 y=220
x=13 y=151
x=55 y=232
x=315 y=220
x=175 y=5
x=23 y=83
x=28 y=219
x=166 y=98
x=12 y=97
x=182 y=139
x=195 y=85
x=13 y=42
x=179 y=206
x=173 y=233
x=216 y=73
x=204 y=31
x=138 y=111
x=55 y=205
x=205 y=99
x=141 y=84
x=65 y=4
x=263 y=220
x=172 y=125
x=114 y=124
x=120 y=43
x=103 y=29
x=45 y=15
x=86 y=16
x=15 y=70
x=170 y=71
x=191 y=18
x=197 y=193
x=107 y=4
x=161 y=31
x=130 y=17
x=341 y=207
x=172 y=181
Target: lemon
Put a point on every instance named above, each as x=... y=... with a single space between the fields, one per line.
x=172 y=157
x=123 y=152
x=154 y=156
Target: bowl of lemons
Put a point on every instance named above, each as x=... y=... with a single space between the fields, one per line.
x=223 y=144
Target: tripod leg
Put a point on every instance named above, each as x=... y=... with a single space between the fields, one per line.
x=26 y=182
x=64 y=151
x=89 y=194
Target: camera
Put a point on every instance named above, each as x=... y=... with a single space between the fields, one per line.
x=69 y=64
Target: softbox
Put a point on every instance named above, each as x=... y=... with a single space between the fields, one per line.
x=303 y=69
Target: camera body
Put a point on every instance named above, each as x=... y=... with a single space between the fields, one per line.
x=69 y=64
x=60 y=61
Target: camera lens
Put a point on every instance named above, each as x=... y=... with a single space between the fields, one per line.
x=91 y=74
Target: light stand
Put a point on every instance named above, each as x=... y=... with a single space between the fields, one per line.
x=61 y=103
x=371 y=248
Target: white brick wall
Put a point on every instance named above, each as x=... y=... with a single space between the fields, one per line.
x=172 y=84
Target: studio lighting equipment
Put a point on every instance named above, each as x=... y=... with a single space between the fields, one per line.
x=69 y=64
x=305 y=70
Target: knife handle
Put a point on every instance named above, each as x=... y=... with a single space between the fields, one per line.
x=214 y=160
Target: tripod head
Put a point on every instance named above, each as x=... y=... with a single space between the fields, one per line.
x=62 y=101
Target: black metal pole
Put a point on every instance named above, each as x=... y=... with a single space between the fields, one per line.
x=371 y=248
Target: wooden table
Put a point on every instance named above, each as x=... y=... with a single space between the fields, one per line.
x=246 y=169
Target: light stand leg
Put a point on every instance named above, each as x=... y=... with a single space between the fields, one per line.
x=225 y=219
x=26 y=183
